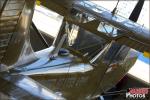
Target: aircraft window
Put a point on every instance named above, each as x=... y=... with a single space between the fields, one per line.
x=78 y=40
x=47 y=21
x=108 y=29
x=81 y=16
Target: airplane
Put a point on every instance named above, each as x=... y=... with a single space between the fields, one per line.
x=72 y=68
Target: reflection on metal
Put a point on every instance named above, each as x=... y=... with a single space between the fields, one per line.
x=60 y=44
x=134 y=35
x=94 y=64
x=72 y=33
x=22 y=87
x=108 y=29
x=115 y=20
x=68 y=75
x=130 y=29
x=18 y=45
x=8 y=21
x=99 y=54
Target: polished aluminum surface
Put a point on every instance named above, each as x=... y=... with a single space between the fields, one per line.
x=18 y=16
x=8 y=21
x=132 y=34
x=72 y=78
x=64 y=77
x=19 y=87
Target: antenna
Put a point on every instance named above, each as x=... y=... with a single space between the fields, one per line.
x=114 y=10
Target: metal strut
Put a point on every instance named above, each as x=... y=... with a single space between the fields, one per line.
x=40 y=35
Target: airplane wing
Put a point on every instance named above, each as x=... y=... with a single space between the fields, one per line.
x=131 y=33
x=20 y=87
